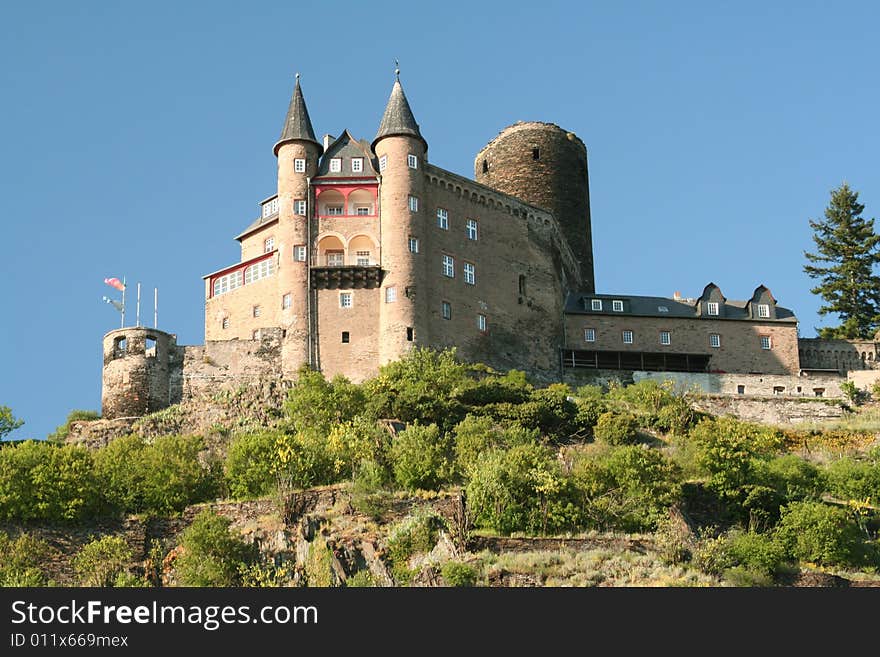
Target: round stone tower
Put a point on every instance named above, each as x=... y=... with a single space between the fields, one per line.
x=546 y=166
x=136 y=378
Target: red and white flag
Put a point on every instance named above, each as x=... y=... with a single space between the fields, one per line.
x=114 y=282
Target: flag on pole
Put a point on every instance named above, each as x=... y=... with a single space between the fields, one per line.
x=115 y=304
x=114 y=282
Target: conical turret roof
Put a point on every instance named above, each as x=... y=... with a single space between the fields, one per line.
x=297 y=124
x=398 y=118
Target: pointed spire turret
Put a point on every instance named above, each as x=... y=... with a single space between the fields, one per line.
x=398 y=118
x=297 y=124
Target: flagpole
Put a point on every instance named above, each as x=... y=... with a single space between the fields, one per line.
x=137 y=317
x=123 y=303
x=155 y=307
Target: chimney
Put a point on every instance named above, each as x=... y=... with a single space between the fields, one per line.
x=327 y=140
x=676 y=296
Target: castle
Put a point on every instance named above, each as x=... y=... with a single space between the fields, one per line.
x=367 y=250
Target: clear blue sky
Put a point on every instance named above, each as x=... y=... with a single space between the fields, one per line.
x=136 y=140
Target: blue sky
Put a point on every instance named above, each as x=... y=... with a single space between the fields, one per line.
x=136 y=140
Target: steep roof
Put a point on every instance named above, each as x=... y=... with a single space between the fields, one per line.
x=297 y=124
x=345 y=147
x=398 y=118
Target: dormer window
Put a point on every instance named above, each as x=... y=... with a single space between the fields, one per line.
x=596 y=304
x=764 y=310
x=617 y=306
x=357 y=165
x=712 y=308
x=335 y=164
x=270 y=208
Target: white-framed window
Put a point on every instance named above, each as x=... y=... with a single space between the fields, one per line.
x=589 y=335
x=228 y=282
x=362 y=258
x=445 y=310
x=413 y=204
x=299 y=207
x=299 y=165
x=449 y=266
x=712 y=308
x=345 y=300
x=442 y=219
x=763 y=310
x=412 y=161
x=617 y=306
x=224 y=323
x=481 y=323
x=472 y=229
x=268 y=244
x=383 y=162
x=256 y=311
x=665 y=338
x=470 y=276
x=285 y=301
x=299 y=253
x=270 y=207
x=413 y=244
x=259 y=270
x=596 y=304
x=390 y=294
x=714 y=340
x=362 y=210
x=333 y=210
x=335 y=258
x=627 y=337
x=766 y=342
x=335 y=164
x=357 y=165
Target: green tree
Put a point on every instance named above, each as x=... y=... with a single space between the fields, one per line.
x=847 y=250
x=102 y=561
x=421 y=457
x=8 y=422
x=212 y=555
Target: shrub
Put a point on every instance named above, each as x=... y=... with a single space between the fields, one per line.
x=62 y=431
x=368 y=494
x=103 y=561
x=853 y=393
x=819 y=533
x=855 y=479
x=41 y=481
x=303 y=460
x=459 y=574
x=121 y=468
x=318 y=566
x=211 y=555
x=421 y=457
x=615 y=428
x=512 y=388
x=354 y=441
x=415 y=534
x=590 y=402
x=20 y=565
x=759 y=553
x=793 y=478
x=521 y=489
x=173 y=476
x=315 y=404
x=361 y=579
x=250 y=465
x=477 y=434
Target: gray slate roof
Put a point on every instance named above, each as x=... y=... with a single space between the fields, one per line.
x=346 y=147
x=398 y=118
x=644 y=306
x=297 y=124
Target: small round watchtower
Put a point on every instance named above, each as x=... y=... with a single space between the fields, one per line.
x=136 y=378
x=542 y=164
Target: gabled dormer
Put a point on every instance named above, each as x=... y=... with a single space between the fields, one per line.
x=762 y=305
x=711 y=303
x=347 y=157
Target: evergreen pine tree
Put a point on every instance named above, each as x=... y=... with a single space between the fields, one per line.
x=847 y=250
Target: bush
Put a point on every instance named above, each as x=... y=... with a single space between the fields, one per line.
x=103 y=561
x=211 y=555
x=421 y=457
x=62 y=431
x=511 y=388
x=315 y=404
x=368 y=494
x=616 y=428
x=459 y=574
x=478 y=434
x=590 y=402
x=41 y=481
x=303 y=460
x=361 y=579
x=250 y=465
x=855 y=479
x=819 y=533
x=121 y=468
x=853 y=393
x=521 y=489
x=20 y=565
x=627 y=488
x=352 y=442
x=759 y=553
x=415 y=534
x=793 y=478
